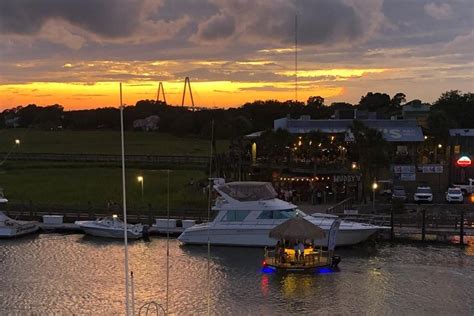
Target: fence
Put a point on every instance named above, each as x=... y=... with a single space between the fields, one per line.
x=82 y=212
x=199 y=161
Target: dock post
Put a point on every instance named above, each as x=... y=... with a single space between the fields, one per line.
x=423 y=225
x=31 y=210
x=461 y=229
x=391 y=225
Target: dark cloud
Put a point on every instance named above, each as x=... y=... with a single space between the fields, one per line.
x=110 y=18
x=219 y=26
x=319 y=21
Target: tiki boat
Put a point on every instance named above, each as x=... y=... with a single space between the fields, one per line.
x=295 y=249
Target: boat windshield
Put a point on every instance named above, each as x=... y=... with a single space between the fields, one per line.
x=280 y=214
x=249 y=191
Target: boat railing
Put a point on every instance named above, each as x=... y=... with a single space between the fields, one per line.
x=372 y=219
x=313 y=257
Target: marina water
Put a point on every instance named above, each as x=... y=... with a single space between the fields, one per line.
x=77 y=274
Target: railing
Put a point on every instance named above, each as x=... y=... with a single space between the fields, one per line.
x=341 y=206
x=107 y=158
x=90 y=211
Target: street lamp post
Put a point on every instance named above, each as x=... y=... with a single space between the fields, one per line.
x=374 y=187
x=140 y=180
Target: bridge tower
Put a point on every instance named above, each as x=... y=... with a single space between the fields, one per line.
x=160 y=87
x=188 y=83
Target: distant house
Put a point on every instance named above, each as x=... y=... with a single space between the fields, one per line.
x=147 y=124
x=12 y=121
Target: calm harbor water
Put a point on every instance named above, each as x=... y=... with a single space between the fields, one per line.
x=76 y=274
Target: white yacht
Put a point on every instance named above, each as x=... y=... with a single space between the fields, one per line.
x=247 y=211
x=111 y=227
x=10 y=227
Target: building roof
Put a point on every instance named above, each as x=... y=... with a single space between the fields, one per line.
x=415 y=107
x=466 y=132
x=392 y=130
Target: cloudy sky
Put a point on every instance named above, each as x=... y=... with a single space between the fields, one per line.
x=74 y=52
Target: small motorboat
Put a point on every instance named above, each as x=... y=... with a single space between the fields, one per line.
x=10 y=227
x=111 y=227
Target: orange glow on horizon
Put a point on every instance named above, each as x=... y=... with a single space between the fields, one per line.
x=206 y=94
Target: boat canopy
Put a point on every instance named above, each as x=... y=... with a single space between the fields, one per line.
x=248 y=191
x=297 y=228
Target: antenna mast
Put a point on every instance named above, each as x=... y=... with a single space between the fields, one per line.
x=188 y=82
x=296 y=57
x=160 y=86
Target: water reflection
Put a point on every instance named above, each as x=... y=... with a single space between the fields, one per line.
x=75 y=274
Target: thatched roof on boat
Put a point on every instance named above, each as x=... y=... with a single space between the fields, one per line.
x=297 y=228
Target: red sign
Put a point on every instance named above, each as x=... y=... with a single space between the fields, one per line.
x=464 y=161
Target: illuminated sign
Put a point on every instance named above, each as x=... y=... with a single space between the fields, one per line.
x=464 y=161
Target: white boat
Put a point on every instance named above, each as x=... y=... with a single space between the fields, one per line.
x=111 y=227
x=12 y=228
x=247 y=211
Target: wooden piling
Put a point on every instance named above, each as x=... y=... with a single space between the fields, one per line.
x=150 y=216
x=423 y=225
x=392 y=232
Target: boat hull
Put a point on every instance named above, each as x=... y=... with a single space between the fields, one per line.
x=259 y=237
x=15 y=231
x=110 y=233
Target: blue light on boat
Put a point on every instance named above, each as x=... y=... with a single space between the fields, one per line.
x=324 y=271
x=268 y=269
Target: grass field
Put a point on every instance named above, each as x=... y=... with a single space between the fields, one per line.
x=78 y=186
x=104 y=142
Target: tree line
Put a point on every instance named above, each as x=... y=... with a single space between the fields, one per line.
x=453 y=109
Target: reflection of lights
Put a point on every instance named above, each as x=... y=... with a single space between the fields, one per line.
x=375 y=186
x=17 y=141
x=426 y=137
x=115 y=216
x=440 y=146
x=264 y=284
x=320 y=144
x=299 y=143
x=354 y=165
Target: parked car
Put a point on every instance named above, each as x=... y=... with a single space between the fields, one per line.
x=454 y=195
x=423 y=194
x=467 y=188
x=399 y=193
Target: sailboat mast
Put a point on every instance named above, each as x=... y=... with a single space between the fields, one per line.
x=208 y=223
x=124 y=199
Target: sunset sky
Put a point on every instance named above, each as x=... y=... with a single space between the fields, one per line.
x=74 y=52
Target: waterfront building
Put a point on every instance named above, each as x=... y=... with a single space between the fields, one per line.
x=333 y=171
